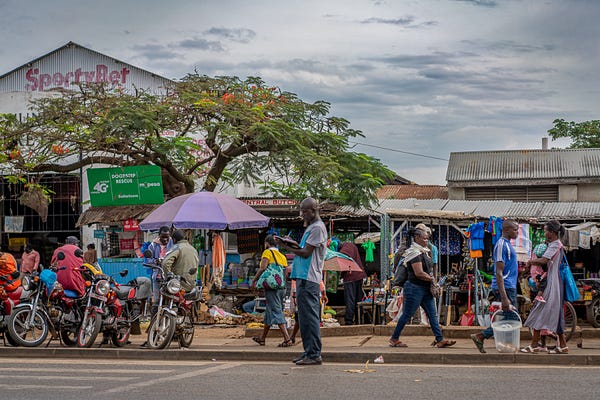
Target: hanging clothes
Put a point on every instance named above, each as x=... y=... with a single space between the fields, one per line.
x=218 y=260
x=495 y=228
x=476 y=232
x=522 y=243
x=369 y=247
x=448 y=241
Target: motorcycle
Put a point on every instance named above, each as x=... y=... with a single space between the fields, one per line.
x=8 y=301
x=173 y=320
x=590 y=291
x=51 y=309
x=110 y=309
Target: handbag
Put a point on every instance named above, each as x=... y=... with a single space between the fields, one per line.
x=273 y=277
x=571 y=290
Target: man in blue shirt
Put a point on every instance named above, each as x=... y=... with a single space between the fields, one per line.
x=504 y=281
x=307 y=270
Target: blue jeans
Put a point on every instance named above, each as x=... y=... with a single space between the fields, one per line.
x=512 y=296
x=415 y=296
x=309 y=316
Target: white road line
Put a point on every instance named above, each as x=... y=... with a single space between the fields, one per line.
x=186 y=375
x=45 y=387
x=86 y=370
x=70 y=378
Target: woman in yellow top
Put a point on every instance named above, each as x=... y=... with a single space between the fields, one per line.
x=274 y=306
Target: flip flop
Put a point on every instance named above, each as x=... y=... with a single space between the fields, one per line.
x=397 y=343
x=259 y=340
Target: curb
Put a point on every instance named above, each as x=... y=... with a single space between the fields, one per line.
x=351 y=356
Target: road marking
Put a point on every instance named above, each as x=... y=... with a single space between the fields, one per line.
x=87 y=370
x=70 y=378
x=186 y=375
x=45 y=387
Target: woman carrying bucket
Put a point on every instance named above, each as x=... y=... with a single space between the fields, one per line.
x=549 y=315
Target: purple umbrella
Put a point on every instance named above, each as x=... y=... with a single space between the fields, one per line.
x=205 y=210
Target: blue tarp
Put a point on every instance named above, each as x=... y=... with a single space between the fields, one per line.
x=112 y=267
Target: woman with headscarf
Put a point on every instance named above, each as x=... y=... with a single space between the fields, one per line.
x=549 y=315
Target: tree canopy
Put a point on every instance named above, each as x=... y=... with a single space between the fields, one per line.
x=204 y=129
x=583 y=134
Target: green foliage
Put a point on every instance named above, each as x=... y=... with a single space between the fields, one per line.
x=220 y=129
x=583 y=134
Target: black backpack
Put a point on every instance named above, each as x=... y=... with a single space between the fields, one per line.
x=401 y=273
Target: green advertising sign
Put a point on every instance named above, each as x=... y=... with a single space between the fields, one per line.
x=125 y=185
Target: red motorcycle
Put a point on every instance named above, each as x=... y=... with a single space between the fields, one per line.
x=8 y=301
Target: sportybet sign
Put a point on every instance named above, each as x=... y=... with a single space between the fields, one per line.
x=125 y=185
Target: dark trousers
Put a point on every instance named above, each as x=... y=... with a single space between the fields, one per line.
x=352 y=295
x=309 y=316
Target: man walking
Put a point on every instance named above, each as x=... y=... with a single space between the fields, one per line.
x=504 y=281
x=307 y=270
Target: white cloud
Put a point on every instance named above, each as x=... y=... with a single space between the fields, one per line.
x=427 y=76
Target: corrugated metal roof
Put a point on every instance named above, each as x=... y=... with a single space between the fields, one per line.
x=412 y=192
x=75 y=62
x=501 y=208
x=523 y=165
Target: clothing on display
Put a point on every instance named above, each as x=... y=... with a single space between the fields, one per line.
x=522 y=243
x=495 y=228
x=475 y=233
x=369 y=247
x=448 y=240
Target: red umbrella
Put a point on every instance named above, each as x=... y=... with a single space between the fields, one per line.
x=342 y=264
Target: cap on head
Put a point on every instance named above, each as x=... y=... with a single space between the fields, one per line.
x=72 y=240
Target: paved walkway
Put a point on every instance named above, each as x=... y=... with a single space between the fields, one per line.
x=356 y=344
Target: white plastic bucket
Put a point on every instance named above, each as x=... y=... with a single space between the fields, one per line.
x=507 y=332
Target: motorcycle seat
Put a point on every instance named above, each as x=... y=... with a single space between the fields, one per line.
x=193 y=294
x=122 y=292
x=71 y=294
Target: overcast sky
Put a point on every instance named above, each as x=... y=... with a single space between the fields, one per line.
x=428 y=76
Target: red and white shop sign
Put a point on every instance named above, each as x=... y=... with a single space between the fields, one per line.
x=131 y=225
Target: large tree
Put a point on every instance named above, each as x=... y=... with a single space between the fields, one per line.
x=583 y=134
x=213 y=130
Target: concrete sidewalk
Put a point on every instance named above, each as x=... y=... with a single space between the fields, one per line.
x=356 y=344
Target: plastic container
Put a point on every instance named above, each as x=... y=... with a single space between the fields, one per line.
x=507 y=332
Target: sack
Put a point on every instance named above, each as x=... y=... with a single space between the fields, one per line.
x=571 y=290
x=273 y=277
x=401 y=273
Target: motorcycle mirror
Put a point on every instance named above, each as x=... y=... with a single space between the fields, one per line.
x=148 y=253
x=60 y=255
x=124 y=272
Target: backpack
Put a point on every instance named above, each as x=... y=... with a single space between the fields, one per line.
x=401 y=273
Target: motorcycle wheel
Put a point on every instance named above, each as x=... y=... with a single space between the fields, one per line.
x=30 y=336
x=69 y=336
x=592 y=312
x=90 y=327
x=10 y=339
x=186 y=335
x=161 y=331
x=120 y=337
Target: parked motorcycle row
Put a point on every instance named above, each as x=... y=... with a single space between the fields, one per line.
x=40 y=309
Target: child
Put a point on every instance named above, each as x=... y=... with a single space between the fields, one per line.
x=539 y=273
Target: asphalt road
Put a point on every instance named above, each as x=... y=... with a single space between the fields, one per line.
x=159 y=380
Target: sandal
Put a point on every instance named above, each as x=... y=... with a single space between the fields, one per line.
x=286 y=343
x=444 y=343
x=559 y=350
x=540 y=349
x=528 y=349
x=259 y=340
x=397 y=343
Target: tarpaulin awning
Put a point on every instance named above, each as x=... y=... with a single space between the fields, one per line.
x=108 y=215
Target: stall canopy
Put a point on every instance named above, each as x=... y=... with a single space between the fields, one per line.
x=114 y=214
